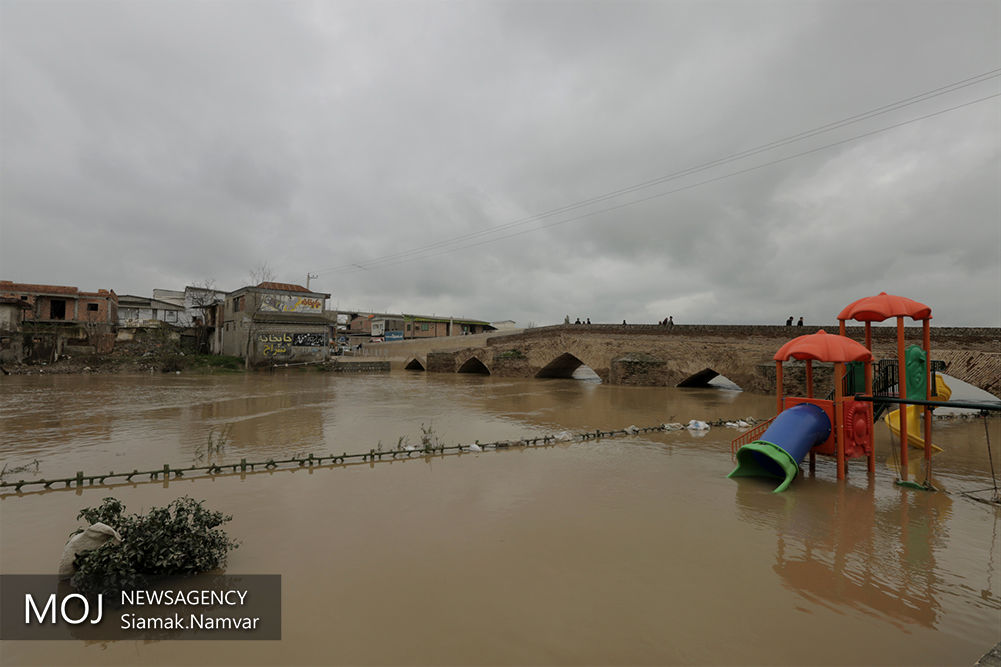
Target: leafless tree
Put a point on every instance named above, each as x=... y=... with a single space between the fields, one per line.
x=262 y=273
x=203 y=299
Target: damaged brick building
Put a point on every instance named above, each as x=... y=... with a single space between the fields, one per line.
x=55 y=319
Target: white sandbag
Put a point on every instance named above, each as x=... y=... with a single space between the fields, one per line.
x=93 y=537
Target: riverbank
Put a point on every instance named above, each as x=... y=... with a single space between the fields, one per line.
x=130 y=358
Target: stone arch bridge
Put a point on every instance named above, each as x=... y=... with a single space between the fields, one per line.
x=681 y=355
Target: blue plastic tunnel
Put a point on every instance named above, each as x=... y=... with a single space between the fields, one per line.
x=778 y=452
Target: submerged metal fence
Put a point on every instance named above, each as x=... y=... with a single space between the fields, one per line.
x=167 y=472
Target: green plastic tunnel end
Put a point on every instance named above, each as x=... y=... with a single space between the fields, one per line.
x=763 y=459
x=913 y=485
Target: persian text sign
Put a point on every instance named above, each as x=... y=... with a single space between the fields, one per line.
x=36 y=606
x=289 y=303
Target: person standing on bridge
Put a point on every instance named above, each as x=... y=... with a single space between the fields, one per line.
x=800 y=323
x=789 y=321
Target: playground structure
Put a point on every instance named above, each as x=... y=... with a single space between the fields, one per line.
x=877 y=309
x=915 y=414
x=842 y=426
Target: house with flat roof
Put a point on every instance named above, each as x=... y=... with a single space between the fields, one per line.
x=142 y=311
x=63 y=303
x=62 y=319
x=196 y=302
x=422 y=326
x=388 y=326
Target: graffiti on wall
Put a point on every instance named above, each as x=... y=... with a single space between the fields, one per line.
x=289 y=303
x=272 y=350
x=275 y=338
x=282 y=343
x=308 y=339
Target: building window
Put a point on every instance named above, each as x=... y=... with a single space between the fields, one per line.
x=424 y=326
x=91 y=307
x=57 y=309
x=24 y=298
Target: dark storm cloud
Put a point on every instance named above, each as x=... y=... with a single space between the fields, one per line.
x=389 y=146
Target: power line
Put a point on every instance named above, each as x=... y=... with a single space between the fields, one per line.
x=701 y=183
x=423 y=251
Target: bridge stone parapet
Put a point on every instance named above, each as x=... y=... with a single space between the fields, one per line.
x=690 y=355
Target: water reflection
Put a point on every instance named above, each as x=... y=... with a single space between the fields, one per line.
x=841 y=545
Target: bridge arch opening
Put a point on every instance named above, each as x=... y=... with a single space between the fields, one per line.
x=414 y=365
x=709 y=378
x=475 y=366
x=568 y=366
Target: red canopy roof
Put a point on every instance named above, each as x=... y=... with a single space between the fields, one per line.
x=823 y=346
x=882 y=306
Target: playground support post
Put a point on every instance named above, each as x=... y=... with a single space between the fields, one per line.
x=778 y=386
x=926 y=342
x=902 y=392
x=809 y=394
x=868 y=388
x=871 y=439
x=839 y=436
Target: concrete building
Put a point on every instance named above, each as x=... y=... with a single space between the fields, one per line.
x=11 y=340
x=62 y=303
x=386 y=326
x=194 y=301
x=420 y=326
x=60 y=319
x=142 y=311
x=275 y=323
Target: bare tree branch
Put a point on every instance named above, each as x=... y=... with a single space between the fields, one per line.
x=262 y=273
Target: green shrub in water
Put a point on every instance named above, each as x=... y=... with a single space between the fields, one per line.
x=181 y=538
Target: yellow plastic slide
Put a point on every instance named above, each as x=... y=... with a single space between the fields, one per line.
x=915 y=424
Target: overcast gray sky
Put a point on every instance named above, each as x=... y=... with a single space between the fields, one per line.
x=405 y=151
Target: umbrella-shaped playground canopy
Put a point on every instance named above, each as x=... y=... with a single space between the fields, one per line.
x=823 y=346
x=882 y=306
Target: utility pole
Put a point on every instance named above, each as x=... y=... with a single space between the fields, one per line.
x=308 y=276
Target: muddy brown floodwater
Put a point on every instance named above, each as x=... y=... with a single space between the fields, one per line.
x=629 y=550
